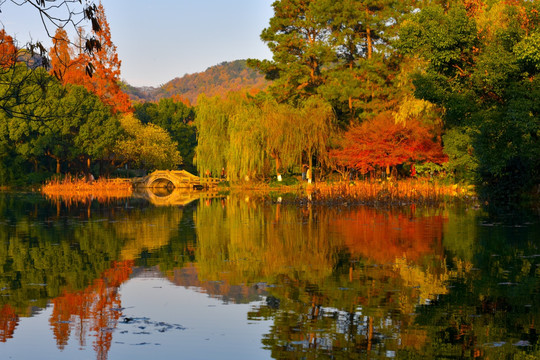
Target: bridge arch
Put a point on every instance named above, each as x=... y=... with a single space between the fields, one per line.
x=160 y=182
x=173 y=179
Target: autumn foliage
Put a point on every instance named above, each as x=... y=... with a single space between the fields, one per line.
x=382 y=142
x=99 y=72
x=8 y=51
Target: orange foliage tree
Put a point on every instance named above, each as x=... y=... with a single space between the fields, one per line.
x=103 y=79
x=382 y=142
x=8 y=51
x=61 y=54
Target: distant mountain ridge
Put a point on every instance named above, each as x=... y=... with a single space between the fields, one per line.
x=216 y=80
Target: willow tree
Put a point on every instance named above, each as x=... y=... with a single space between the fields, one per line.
x=246 y=155
x=283 y=142
x=315 y=125
x=229 y=136
x=212 y=122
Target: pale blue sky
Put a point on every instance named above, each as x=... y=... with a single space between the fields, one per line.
x=163 y=39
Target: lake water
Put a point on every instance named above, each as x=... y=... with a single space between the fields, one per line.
x=244 y=277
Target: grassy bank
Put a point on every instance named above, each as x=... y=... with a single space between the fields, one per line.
x=405 y=191
x=79 y=190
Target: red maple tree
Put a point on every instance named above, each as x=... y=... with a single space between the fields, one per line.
x=382 y=142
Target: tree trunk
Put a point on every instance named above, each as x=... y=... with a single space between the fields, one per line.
x=310 y=160
x=350 y=97
x=369 y=43
x=58 y=165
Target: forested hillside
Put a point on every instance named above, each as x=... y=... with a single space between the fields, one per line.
x=216 y=80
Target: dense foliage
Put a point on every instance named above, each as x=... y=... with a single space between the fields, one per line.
x=61 y=124
x=147 y=146
x=483 y=70
x=177 y=119
x=356 y=87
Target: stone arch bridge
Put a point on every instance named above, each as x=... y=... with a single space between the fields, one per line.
x=174 y=178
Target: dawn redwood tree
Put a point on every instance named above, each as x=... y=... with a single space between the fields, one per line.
x=103 y=78
x=382 y=143
x=61 y=55
x=60 y=14
x=8 y=50
x=54 y=14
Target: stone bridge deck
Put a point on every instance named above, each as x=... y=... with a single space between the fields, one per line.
x=174 y=178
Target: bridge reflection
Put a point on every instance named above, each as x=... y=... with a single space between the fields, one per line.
x=172 y=196
x=174 y=179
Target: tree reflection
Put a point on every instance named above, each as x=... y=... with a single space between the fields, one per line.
x=384 y=236
x=346 y=281
x=48 y=254
x=244 y=242
x=97 y=308
x=8 y=322
x=337 y=282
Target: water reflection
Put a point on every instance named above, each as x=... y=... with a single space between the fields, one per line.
x=168 y=196
x=334 y=282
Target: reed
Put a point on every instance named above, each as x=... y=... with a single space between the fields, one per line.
x=390 y=192
x=74 y=190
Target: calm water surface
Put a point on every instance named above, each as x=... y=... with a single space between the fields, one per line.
x=240 y=278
